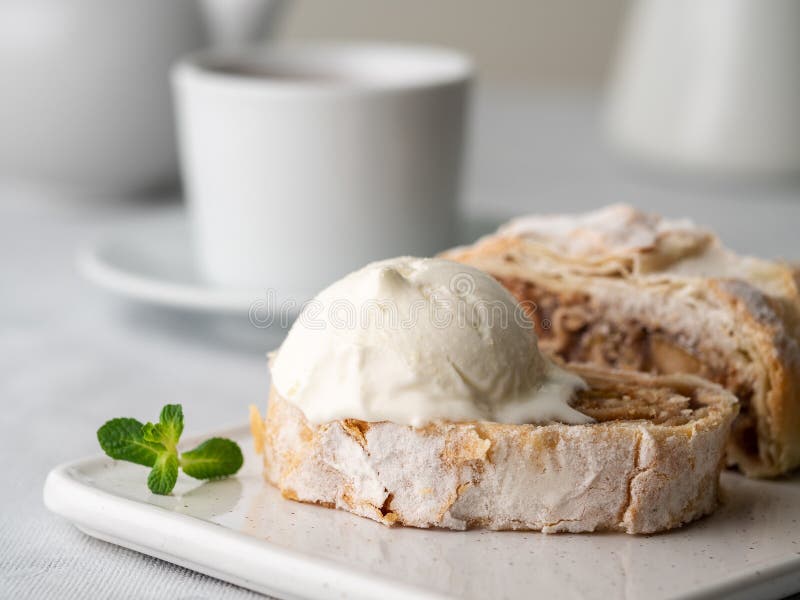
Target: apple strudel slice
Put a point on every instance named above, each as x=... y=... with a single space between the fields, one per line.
x=625 y=289
x=649 y=462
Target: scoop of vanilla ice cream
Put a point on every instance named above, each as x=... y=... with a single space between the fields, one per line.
x=413 y=340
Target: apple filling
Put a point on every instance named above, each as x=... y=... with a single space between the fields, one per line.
x=575 y=328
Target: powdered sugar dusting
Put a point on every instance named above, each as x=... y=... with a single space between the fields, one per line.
x=616 y=229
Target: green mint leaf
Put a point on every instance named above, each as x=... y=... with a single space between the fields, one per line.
x=169 y=428
x=164 y=474
x=171 y=421
x=214 y=458
x=152 y=433
x=123 y=439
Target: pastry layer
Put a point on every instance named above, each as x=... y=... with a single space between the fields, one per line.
x=651 y=462
x=671 y=302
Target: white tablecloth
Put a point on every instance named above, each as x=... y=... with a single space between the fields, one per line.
x=72 y=356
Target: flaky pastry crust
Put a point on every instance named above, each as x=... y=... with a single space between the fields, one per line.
x=651 y=462
x=628 y=290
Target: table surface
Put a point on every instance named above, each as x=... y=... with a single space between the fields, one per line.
x=72 y=356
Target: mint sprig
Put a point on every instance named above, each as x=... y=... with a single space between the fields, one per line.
x=164 y=474
x=123 y=439
x=155 y=445
x=212 y=457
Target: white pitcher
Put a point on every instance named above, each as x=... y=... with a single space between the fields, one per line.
x=711 y=86
x=84 y=86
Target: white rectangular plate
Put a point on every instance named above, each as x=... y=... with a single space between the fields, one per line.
x=242 y=530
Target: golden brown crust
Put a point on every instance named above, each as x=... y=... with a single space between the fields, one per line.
x=650 y=463
x=766 y=323
x=743 y=333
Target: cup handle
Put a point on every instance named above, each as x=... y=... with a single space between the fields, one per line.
x=240 y=22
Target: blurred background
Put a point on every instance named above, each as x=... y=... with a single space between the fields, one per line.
x=689 y=108
x=539 y=45
x=686 y=108
x=683 y=108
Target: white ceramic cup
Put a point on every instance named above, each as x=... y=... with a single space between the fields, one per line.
x=304 y=162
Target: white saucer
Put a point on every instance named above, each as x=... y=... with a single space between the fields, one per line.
x=151 y=260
